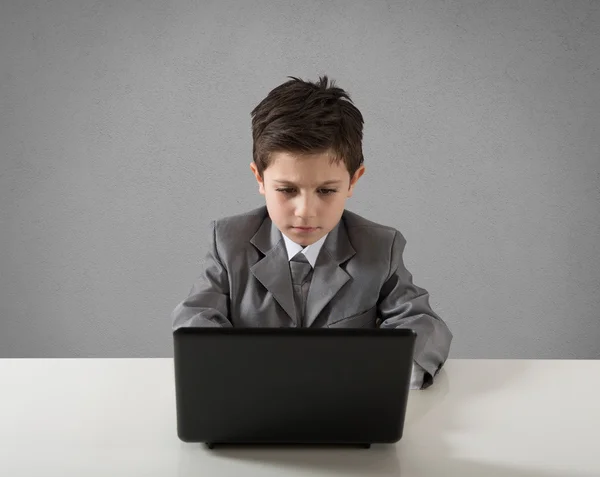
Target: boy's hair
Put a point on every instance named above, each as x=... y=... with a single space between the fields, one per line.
x=303 y=117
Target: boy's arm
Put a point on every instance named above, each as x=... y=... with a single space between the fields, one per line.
x=207 y=303
x=402 y=304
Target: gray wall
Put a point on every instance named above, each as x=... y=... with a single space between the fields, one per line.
x=125 y=128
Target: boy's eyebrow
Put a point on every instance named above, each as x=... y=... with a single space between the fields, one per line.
x=331 y=182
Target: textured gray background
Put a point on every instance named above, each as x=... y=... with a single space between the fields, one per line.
x=125 y=128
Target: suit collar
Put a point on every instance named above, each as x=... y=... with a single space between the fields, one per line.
x=328 y=277
x=273 y=269
x=338 y=244
x=267 y=236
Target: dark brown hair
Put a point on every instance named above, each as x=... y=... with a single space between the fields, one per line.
x=305 y=118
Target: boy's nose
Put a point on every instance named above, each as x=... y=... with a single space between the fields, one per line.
x=305 y=207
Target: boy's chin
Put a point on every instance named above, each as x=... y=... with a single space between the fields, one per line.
x=305 y=241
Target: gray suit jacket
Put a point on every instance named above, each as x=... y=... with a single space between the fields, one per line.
x=359 y=280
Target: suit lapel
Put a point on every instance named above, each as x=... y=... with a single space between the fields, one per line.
x=328 y=276
x=273 y=269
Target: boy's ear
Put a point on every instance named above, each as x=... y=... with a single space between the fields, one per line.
x=259 y=179
x=357 y=175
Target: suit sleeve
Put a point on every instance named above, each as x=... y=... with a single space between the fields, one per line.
x=402 y=304
x=207 y=303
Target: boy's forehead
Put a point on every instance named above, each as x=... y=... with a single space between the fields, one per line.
x=309 y=176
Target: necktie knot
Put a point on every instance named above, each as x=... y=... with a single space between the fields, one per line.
x=300 y=268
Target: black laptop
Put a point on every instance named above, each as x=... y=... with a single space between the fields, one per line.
x=294 y=386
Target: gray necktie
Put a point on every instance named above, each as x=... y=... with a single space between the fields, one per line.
x=301 y=271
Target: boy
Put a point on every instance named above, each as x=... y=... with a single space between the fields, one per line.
x=303 y=260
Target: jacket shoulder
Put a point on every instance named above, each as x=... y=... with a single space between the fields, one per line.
x=239 y=228
x=357 y=226
x=375 y=243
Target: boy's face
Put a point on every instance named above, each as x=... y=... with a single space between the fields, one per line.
x=305 y=194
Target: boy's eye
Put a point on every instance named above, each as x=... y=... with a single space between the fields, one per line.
x=291 y=190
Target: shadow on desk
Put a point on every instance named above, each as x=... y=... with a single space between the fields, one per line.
x=309 y=460
x=425 y=449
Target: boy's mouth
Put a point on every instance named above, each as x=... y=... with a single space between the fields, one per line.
x=305 y=229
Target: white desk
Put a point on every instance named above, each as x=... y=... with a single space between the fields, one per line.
x=483 y=418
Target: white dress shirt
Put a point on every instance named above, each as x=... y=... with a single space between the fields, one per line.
x=311 y=252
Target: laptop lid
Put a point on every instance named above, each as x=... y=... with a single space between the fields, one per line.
x=292 y=386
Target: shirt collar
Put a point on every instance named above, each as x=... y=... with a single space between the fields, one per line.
x=311 y=252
